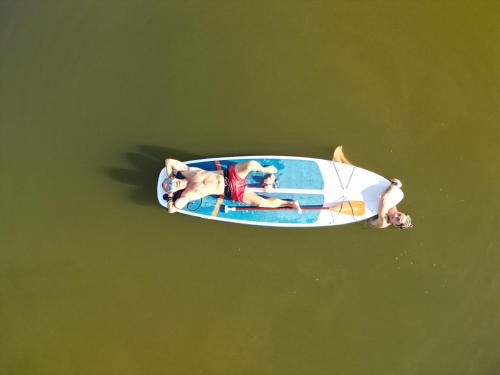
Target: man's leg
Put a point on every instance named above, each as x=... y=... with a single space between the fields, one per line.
x=257 y=200
x=243 y=169
x=269 y=183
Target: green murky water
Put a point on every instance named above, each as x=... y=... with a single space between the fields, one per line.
x=97 y=279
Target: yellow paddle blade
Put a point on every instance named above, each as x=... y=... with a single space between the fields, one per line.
x=339 y=156
x=354 y=208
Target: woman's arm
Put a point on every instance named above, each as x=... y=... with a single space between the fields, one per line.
x=383 y=209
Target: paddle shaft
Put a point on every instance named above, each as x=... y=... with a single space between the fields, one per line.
x=356 y=208
x=255 y=208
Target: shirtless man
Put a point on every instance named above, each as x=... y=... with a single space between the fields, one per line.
x=387 y=215
x=198 y=183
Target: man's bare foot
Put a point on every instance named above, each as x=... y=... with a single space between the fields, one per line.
x=296 y=205
x=269 y=183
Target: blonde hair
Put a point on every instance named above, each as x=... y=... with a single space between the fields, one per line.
x=406 y=225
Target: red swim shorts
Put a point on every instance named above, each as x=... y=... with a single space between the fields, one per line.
x=235 y=186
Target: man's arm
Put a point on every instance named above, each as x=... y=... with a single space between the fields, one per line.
x=172 y=164
x=171 y=206
x=179 y=204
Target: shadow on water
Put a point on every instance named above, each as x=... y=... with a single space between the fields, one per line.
x=144 y=165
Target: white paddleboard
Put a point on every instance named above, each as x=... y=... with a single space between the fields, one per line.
x=313 y=182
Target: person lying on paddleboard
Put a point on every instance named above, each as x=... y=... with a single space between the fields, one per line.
x=387 y=215
x=197 y=183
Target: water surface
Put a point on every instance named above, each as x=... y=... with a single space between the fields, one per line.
x=97 y=279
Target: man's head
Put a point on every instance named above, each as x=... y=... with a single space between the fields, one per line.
x=172 y=184
x=400 y=220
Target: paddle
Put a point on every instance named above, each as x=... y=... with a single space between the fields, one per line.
x=339 y=156
x=354 y=208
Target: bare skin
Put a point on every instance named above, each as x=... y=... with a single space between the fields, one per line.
x=198 y=183
x=269 y=182
x=387 y=216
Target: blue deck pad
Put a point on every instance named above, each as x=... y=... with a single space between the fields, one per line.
x=292 y=173
x=206 y=206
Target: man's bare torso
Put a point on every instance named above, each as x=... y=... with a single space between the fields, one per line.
x=202 y=183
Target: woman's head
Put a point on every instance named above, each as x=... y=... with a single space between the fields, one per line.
x=400 y=220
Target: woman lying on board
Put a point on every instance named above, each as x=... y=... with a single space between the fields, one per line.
x=387 y=215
